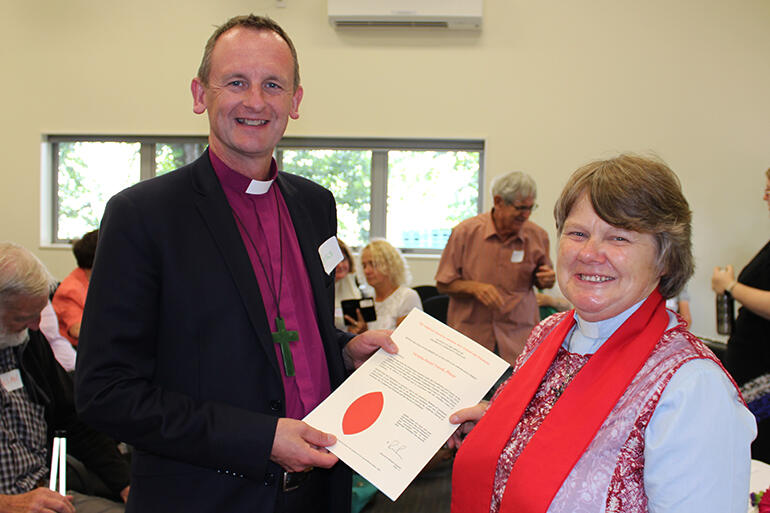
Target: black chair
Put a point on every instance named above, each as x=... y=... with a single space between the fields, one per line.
x=437 y=307
x=425 y=292
x=82 y=480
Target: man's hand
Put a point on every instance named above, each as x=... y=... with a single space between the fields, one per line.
x=298 y=446
x=36 y=501
x=124 y=493
x=467 y=418
x=545 y=277
x=362 y=346
x=487 y=294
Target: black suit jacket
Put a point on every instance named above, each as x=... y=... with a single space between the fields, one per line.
x=175 y=354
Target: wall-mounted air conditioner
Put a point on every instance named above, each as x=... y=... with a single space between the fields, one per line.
x=452 y=14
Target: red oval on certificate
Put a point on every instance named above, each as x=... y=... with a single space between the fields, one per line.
x=362 y=413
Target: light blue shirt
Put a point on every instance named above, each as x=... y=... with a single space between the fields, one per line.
x=697 y=454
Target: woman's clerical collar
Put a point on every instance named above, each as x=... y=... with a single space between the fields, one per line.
x=587 y=337
x=234 y=180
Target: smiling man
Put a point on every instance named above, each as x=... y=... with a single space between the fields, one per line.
x=489 y=266
x=209 y=328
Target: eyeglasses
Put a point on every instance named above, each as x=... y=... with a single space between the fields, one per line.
x=525 y=208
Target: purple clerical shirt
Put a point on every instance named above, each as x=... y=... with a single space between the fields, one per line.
x=263 y=230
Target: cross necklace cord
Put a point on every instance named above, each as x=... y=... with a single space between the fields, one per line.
x=281 y=335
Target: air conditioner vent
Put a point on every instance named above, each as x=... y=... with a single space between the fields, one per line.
x=443 y=14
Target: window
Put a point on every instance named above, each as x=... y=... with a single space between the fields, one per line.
x=87 y=171
x=408 y=191
x=412 y=192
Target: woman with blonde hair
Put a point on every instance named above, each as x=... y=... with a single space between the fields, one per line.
x=386 y=272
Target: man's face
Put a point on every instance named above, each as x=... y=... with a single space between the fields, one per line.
x=250 y=95
x=509 y=217
x=18 y=314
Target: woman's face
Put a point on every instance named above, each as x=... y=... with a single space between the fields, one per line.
x=342 y=269
x=603 y=270
x=766 y=197
x=374 y=276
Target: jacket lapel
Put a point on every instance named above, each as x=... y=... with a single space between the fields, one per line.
x=215 y=210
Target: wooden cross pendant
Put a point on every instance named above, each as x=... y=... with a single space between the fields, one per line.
x=282 y=336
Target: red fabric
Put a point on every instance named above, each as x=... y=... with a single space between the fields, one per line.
x=570 y=426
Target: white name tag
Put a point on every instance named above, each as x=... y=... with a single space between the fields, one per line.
x=517 y=256
x=330 y=253
x=11 y=380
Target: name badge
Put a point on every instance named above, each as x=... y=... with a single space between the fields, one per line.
x=330 y=253
x=517 y=256
x=11 y=380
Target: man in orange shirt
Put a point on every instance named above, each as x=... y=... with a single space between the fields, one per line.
x=489 y=266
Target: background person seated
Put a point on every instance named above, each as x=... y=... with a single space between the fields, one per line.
x=70 y=297
x=385 y=270
x=37 y=400
x=345 y=284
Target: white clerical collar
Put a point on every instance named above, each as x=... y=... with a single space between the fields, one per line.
x=259 y=187
x=587 y=337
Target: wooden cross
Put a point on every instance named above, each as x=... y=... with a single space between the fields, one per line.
x=282 y=336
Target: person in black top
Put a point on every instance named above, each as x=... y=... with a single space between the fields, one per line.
x=748 y=349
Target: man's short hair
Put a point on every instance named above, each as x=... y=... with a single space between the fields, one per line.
x=514 y=186
x=253 y=22
x=84 y=249
x=642 y=195
x=22 y=274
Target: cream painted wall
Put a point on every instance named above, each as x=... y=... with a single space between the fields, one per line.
x=549 y=85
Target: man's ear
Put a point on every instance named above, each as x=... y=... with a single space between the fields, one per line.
x=199 y=96
x=295 y=101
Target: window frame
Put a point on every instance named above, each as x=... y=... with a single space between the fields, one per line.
x=51 y=154
x=378 y=172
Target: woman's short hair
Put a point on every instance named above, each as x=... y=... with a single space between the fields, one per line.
x=347 y=256
x=767 y=173
x=84 y=249
x=643 y=195
x=22 y=274
x=389 y=261
x=514 y=186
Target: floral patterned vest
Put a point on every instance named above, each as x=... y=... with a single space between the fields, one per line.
x=610 y=474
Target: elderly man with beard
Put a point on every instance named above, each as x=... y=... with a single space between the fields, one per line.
x=37 y=399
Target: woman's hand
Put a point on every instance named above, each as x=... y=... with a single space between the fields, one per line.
x=357 y=325
x=722 y=278
x=467 y=418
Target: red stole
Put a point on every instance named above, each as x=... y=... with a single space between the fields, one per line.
x=568 y=429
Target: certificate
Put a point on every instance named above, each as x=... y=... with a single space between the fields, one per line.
x=392 y=414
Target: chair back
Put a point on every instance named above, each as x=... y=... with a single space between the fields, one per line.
x=425 y=292
x=437 y=307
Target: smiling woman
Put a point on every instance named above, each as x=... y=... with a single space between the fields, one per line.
x=609 y=401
